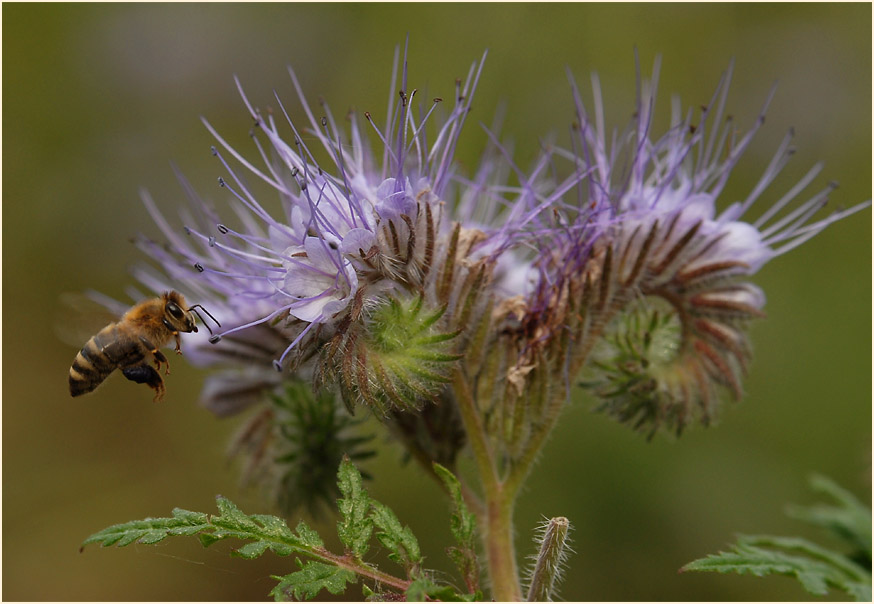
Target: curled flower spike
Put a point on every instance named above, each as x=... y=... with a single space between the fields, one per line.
x=659 y=236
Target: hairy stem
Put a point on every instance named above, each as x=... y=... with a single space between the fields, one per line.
x=501 y=552
x=497 y=520
x=358 y=567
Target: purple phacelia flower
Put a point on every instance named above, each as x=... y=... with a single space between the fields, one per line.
x=651 y=233
x=381 y=269
x=370 y=227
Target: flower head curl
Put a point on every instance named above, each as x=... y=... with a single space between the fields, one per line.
x=656 y=233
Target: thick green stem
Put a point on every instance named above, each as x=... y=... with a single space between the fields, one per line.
x=501 y=552
x=497 y=519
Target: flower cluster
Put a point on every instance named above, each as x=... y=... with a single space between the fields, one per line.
x=382 y=274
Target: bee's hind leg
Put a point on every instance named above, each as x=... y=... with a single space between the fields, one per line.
x=145 y=374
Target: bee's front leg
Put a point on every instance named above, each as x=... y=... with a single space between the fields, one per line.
x=178 y=342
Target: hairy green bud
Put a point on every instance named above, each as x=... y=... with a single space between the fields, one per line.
x=398 y=357
x=550 y=559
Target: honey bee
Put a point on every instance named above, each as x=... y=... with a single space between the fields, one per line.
x=134 y=341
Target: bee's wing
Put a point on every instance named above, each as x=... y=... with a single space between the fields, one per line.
x=81 y=315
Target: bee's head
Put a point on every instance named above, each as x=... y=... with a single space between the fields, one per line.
x=177 y=316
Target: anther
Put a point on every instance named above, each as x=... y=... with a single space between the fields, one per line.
x=212 y=241
x=367 y=116
x=187 y=230
x=215 y=339
x=324 y=121
x=222 y=229
x=213 y=150
x=438 y=99
x=276 y=365
x=221 y=181
x=199 y=267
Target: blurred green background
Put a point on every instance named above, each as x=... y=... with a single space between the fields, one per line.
x=98 y=99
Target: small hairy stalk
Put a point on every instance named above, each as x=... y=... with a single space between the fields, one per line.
x=497 y=518
x=549 y=562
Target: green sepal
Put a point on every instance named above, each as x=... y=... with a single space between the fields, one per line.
x=308 y=438
x=400 y=356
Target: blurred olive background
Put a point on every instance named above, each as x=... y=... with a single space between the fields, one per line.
x=99 y=99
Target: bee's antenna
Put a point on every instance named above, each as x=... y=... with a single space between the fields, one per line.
x=192 y=309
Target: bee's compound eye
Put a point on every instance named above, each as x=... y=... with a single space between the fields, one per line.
x=174 y=310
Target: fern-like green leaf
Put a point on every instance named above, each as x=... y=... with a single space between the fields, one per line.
x=424 y=589
x=263 y=532
x=151 y=530
x=463 y=526
x=850 y=521
x=266 y=532
x=356 y=526
x=313 y=577
x=817 y=569
x=398 y=539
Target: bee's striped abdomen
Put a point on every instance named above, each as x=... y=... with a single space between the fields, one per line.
x=90 y=367
x=100 y=356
